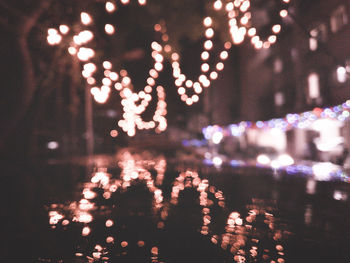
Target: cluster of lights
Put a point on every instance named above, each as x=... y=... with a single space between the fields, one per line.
x=239 y=21
x=190 y=179
x=133 y=169
x=134 y=104
x=242 y=240
x=290 y=121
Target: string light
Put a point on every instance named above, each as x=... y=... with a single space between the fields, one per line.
x=134 y=104
x=239 y=18
x=204 y=80
x=302 y=120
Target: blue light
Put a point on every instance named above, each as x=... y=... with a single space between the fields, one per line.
x=236 y=163
x=208 y=162
x=259 y=124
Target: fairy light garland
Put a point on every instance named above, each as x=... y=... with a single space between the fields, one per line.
x=302 y=120
x=134 y=104
x=239 y=22
x=182 y=82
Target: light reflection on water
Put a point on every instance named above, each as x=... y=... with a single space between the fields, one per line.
x=134 y=213
x=243 y=239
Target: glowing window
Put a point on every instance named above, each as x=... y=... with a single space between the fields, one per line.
x=314 y=85
x=341 y=74
x=279 y=98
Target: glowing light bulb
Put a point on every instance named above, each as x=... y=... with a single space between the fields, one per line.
x=220 y=66
x=110 y=7
x=181 y=90
x=276 y=28
x=218 y=5
x=272 y=39
x=251 y=31
x=229 y=6
x=224 y=55
x=109 y=29
x=64 y=29
x=208 y=44
x=85 y=18
x=207 y=21
x=205 y=67
x=209 y=33
x=205 y=55
x=107 y=64
x=283 y=13
x=213 y=75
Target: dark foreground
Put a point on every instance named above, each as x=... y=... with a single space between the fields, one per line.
x=143 y=208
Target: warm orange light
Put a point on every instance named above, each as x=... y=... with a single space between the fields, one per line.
x=86 y=231
x=157 y=27
x=227 y=45
x=140 y=243
x=167 y=48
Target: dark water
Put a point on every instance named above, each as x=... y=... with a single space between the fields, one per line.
x=143 y=208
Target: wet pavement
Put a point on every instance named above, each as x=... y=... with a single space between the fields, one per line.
x=144 y=207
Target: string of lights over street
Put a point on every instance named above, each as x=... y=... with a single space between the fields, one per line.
x=135 y=103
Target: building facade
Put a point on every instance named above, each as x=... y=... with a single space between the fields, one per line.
x=308 y=66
